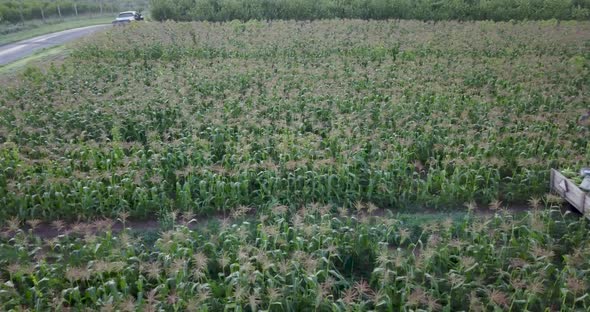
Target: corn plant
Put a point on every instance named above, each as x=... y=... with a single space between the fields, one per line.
x=315 y=257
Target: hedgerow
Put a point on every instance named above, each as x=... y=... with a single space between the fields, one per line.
x=497 y=10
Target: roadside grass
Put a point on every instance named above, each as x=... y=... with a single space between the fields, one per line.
x=38 y=28
x=38 y=57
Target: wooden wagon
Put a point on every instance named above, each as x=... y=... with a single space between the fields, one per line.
x=570 y=192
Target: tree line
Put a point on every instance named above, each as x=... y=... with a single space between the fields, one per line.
x=15 y=11
x=498 y=10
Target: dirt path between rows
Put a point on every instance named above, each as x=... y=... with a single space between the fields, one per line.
x=48 y=230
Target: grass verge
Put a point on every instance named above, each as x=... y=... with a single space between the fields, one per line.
x=41 y=55
x=44 y=29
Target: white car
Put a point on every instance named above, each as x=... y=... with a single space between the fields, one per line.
x=127 y=17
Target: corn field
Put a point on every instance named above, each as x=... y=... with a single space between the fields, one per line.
x=305 y=140
x=202 y=117
x=310 y=259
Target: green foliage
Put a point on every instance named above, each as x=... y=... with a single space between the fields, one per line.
x=165 y=9
x=303 y=138
x=308 y=260
x=205 y=117
x=498 y=10
x=10 y=10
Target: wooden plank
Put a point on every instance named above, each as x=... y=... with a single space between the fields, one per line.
x=553 y=178
x=571 y=192
x=563 y=186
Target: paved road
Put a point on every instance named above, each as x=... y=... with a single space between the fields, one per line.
x=14 y=51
